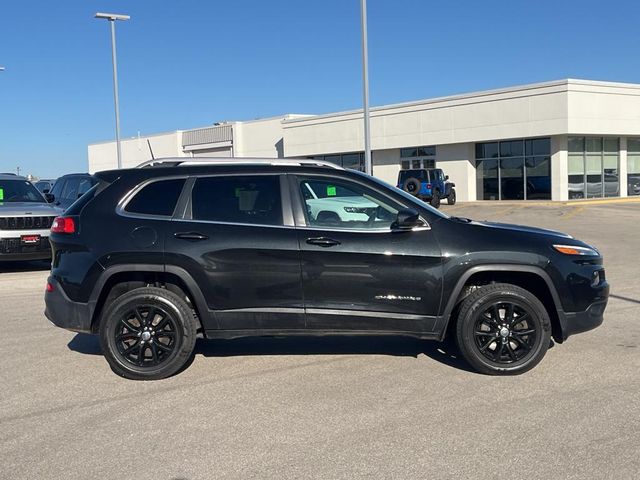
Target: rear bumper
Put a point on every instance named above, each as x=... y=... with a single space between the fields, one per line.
x=65 y=313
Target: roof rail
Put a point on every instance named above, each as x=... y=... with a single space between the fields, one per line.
x=190 y=161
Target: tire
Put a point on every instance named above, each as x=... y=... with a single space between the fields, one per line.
x=435 y=199
x=148 y=349
x=451 y=199
x=412 y=185
x=493 y=347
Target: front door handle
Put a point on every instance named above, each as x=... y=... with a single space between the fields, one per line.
x=323 y=241
x=191 y=236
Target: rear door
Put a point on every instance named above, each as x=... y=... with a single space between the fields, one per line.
x=359 y=274
x=237 y=239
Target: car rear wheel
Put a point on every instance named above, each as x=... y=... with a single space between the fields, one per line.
x=503 y=329
x=435 y=200
x=148 y=334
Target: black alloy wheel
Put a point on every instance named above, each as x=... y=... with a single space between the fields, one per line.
x=503 y=329
x=148 y=333
x=504 y=332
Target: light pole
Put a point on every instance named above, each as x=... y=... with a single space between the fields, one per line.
x=368 y=166
x=112 y=17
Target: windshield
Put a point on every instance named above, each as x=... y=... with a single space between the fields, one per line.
x=13 y=191
x=410 y=198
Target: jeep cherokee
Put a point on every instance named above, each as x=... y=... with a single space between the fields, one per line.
x=25 y=219
x=152 y=257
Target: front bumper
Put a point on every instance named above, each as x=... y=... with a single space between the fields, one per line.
x=578 y=322
x=14 y=249
x=66 y=313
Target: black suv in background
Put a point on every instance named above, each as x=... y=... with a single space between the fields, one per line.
x=152 y=257
x=68 y=188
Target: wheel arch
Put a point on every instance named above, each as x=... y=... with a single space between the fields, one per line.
x=531 y=278
x=122 y=278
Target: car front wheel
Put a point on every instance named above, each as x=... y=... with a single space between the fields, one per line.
x=503 y=329
x=148 y=334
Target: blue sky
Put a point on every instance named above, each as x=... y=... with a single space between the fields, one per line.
x=190 y=63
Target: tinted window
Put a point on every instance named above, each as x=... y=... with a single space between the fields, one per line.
x=418 y=174
x=85 y=185
x=70 y=190
x=238 y=199
x=157 y=198
x=341 y=205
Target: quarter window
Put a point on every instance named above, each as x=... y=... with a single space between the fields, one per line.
x=157 y=198
x=340 y=205
x=238 y=199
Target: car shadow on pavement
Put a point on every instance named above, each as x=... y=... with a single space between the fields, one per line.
x=86 y=344
x=33 y=266
x=397 y=346
x=392 y=345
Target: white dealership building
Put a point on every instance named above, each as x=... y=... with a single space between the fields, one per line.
x=554 y=140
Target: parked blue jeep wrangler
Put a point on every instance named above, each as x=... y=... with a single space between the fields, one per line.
x=429 y=185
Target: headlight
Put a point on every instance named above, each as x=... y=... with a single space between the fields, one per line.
x=575 y=250
x=364 y=210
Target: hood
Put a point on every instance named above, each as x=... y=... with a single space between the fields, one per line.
x=19 y=209
x=521 y=228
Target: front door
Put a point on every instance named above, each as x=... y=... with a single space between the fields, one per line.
x=238 y=241
x=357 y=273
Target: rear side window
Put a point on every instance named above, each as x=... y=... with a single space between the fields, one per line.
x=157 y=198
x=238 y=199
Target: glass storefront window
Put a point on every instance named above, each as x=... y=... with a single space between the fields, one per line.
x=487 y=179
x=593 y=167
x=576 y=176
x=521 y=169
x=633 y=166
x=354 y=161
x=512 y=178
x=538 y=171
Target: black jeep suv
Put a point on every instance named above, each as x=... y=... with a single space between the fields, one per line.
x=150 y=258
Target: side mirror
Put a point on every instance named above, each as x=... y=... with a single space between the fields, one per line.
x=46 y=190
x=49 y=197
x=407 y=219
x=446 y=177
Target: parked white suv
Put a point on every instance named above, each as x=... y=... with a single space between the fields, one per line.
x=25 y=220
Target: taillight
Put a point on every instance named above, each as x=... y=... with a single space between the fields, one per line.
x=49 y=287
x=63 y=225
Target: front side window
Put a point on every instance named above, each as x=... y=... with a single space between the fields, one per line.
x=12 y=191
x=251 y=199
x=157 y=198
x=344 y=205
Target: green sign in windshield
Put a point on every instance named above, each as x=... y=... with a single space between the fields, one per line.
x=331 y=191
x=1 y=194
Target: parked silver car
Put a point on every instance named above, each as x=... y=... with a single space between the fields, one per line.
x=25 y=219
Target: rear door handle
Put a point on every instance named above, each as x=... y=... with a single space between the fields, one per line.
x=323 y=241
x=191 y=236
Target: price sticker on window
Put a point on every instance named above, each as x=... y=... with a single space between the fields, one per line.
x=1 y=194
x=331 y=191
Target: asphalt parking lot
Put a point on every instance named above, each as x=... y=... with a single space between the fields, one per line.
x=332 y=408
